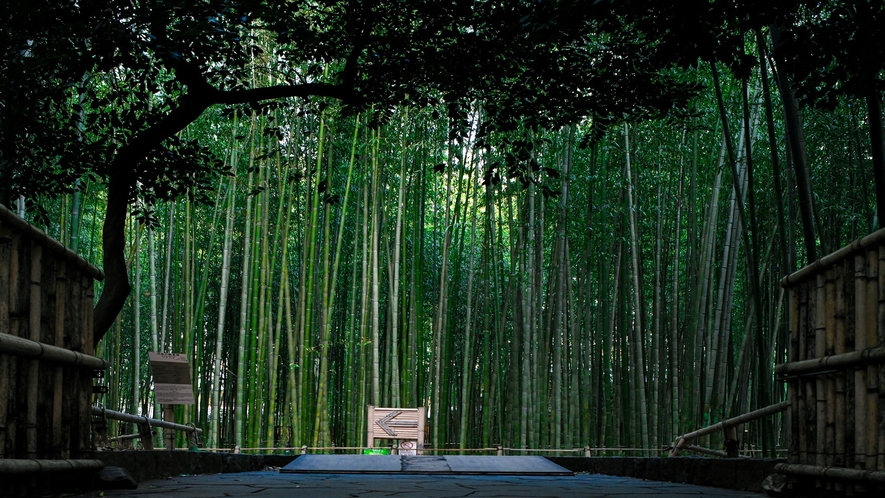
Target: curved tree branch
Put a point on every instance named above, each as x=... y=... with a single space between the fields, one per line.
x=123 y=175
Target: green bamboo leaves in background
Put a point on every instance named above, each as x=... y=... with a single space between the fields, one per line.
x=608 y=302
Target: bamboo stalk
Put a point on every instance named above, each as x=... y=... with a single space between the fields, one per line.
x=840 y=361
x=15 y=297
x=32 y=466
x=36 y=298
x=840 y=400
x=871 y=332
x=6 y=290
x=853 y=475
x=880 y=374
x=819 y=385
x=860 y=343
x=792 y=389
x=84 y=401
x=799 y=350
x=830 y=381
x=138 y=419
x=26 y=348
x=61 y=292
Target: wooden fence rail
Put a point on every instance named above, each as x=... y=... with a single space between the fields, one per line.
x=728 y=426
x=145 y=426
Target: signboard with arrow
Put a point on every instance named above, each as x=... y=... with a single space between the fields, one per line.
x=404 y=424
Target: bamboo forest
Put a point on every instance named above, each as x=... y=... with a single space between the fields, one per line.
x=594 y=280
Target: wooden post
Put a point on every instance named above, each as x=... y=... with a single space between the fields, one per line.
x=169 y=434
x=370 y=427
x=146 y=435
x=421 y=421
x=732 y=446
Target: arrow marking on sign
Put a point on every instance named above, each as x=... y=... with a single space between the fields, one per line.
x=387 y=423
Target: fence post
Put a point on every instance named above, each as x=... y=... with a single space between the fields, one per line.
x=304 y=449
x=731 y=442
x=169 y=415
x=500 y=450
x=146 y=434
x=587 y=451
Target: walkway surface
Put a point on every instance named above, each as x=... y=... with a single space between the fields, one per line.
x=424 y=464
x=272 y=484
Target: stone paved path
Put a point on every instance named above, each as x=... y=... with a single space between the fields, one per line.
x=271 y=484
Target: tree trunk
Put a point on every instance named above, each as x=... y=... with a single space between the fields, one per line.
x=797 y=146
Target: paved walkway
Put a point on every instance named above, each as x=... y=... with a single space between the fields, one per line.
x=271 y=484
x=425 y=464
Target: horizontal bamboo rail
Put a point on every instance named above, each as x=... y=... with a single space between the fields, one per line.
x=871 y=241
x=33 y=466
x=833 y=362
x=705 y=451
x=26 y=348
x=683 y=440
x=145 y=428
x=138 y=419
x=838 y=473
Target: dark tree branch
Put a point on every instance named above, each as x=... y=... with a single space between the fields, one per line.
x=124 y=169
x=339 y=92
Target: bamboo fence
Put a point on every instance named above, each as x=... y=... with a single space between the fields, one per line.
x=46 y=362
x=836 y=372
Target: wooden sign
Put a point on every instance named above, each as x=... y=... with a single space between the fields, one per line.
x=172 y=378
x=405 y=424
